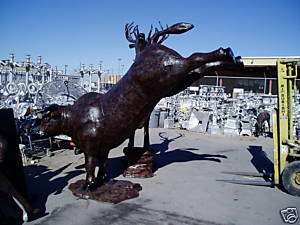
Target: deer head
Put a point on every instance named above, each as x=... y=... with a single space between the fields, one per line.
x=51 y=120
x=139 y=42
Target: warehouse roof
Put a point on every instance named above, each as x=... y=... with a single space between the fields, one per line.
x=256 y=67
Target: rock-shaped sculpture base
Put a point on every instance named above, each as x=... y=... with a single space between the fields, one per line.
x=114 y=191
x=140 y=162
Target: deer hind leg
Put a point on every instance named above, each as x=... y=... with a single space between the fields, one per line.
x=146 y=134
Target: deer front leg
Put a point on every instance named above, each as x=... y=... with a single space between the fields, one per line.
x=102 y=175
x=131 y=141
x=90 y=164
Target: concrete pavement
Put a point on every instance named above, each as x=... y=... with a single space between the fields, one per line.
x=184 y=189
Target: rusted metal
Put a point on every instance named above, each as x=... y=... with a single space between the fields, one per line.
x=140 y=162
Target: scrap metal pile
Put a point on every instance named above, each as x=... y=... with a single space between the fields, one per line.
x=34 y=84
x=26 y=87
x=208 y=109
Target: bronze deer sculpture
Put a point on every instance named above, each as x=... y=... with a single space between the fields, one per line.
x=139 y=42
x=99 y=122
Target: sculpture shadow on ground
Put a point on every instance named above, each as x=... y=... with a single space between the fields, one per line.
x=43 y=182
x=116 y=166
x=181 y=155
x=163 y=156
x=260 y=160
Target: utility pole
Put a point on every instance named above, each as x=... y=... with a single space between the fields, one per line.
x=99 y=73
x=90 y=77
x=39 y=64
x=27 y=70
x=12 y=66
x=66 y=69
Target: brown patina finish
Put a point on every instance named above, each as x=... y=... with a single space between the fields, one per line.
x=140 y=160
x=140 y=42
x=99 y=122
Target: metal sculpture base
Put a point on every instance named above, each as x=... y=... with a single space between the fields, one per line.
x=140 y=162
x=114 y=191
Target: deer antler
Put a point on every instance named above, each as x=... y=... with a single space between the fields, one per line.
x=163 y=33
x=150 y=32
x=136 y=31
x=129 y=30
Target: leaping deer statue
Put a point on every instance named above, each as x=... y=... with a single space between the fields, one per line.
x=99 y=122
x=139 y=42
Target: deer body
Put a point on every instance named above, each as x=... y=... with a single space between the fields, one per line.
x=123 y=109
x=100 y=122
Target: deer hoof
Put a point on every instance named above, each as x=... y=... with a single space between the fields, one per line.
x=32 y=215
x=91 y=186
x=25 y=217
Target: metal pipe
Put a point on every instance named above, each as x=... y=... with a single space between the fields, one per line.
x=270 y=87
x=90 y=81
x=265 y=83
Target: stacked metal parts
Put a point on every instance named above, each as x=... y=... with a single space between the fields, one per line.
x=208 y=109
x=28 y=83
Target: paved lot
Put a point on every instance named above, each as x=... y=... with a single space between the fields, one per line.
x=184 y=189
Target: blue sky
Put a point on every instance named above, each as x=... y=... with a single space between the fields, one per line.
x=74 y=31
